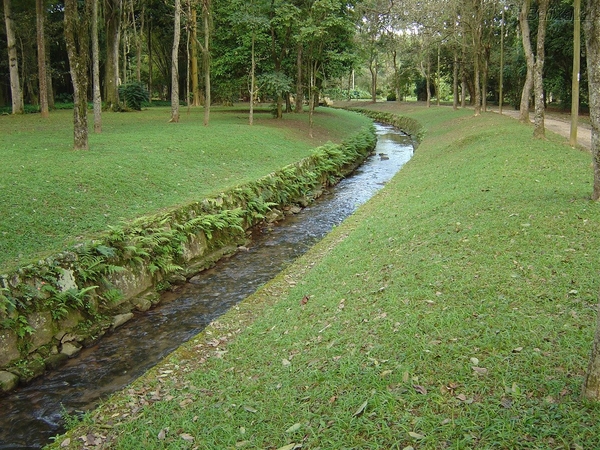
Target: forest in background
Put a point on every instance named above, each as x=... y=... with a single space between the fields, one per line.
x=379 y=49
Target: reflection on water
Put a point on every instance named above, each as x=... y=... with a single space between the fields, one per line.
x=32 y=415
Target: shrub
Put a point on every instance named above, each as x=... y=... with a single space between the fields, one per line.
x=134 y=94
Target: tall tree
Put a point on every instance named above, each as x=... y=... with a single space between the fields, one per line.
x=96 y=70
x=206 y=60
x=576 y=71
x=112 y=18
x=539 y=129
x=175 y=64
x=15 y=85
x=526 y=39
x=40 y=14
x=194 y=55
x=592 y=41
x=591 y=384
x=77 y=36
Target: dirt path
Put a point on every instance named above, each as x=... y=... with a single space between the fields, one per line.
x=560 y=126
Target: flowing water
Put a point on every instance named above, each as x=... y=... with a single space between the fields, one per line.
x=33 y=414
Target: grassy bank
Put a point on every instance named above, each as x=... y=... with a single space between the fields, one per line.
x=52 y=197
x=454 y=310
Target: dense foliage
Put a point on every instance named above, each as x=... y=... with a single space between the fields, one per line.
x=376 y=48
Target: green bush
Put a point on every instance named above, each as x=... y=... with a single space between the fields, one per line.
x=134 y=94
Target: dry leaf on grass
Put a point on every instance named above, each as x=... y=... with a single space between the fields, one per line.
x=187 y=437
x=415 y=435
x=420 y=389
x=293 y=428
x=361 y=409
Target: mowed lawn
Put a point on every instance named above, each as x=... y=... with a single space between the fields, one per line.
x=52 y=197
x=456 y=309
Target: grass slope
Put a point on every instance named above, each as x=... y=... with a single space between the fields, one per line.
x=52 y=196
x=454 y=310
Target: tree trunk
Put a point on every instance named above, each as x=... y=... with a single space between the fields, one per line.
x=299 y=91
x=576 y=71
x=188 y=98
x=175 y=64
x=463 y=78
x=124 y=47
x=592 y=41
x=428 y=81
x=484 y=81
x=591 y=382
x=41 y=54
x=501 y=82
x=195 y=86
x=538 y=72
x=112 y=16
x=137 y=41
x=437 y=78
x=150 y=66
x=528 y=86
x=15 y=85
x=373 y=70
x=77 y=40
x=396 y=75
x=311 y=100
x=207 y=98
x=455 y=82
x=96 y=70
x=252 y=81
x=477 y=37
x=50 y=89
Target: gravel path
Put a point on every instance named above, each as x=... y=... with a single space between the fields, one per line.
x=559 y=126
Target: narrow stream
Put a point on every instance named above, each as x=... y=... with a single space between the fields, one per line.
x=31 y=416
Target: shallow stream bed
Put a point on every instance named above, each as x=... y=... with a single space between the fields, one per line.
x=32 y=415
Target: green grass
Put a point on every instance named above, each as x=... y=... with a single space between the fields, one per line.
x=454 y=310
x=52 y=196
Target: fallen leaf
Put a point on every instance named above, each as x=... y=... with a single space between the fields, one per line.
x=187 y=437
x=361 y=409
x=420 y=389
x=241 y=444
x=517 y=350
x=506 y=402
x=333 y=399
x=162 y=434
x=415 y=435
x=474 y=361
x=65 y=443
x=480 y=370
x=405 y=377
x=410 y=447
x=463 y=398
x=445 y=422
x=250 y=409
x=304 y=300
x=291 y=446
x=185 y=402
x=293 y=428
x=385 y=373
x=285 y=362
